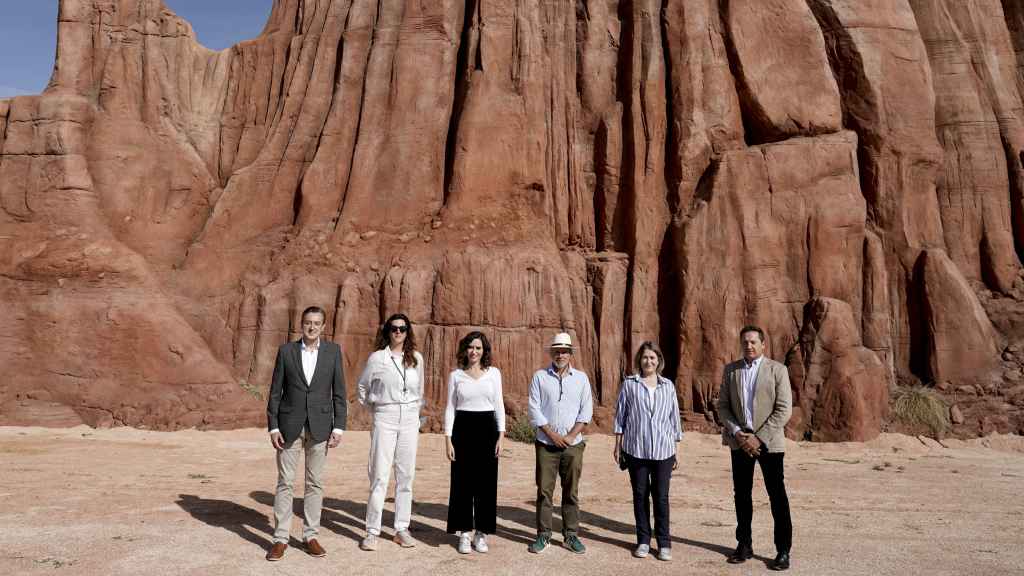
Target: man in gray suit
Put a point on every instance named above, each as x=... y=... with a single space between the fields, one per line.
x=754 y=404
x=307 y=410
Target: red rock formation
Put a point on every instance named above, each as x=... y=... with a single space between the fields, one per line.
x=838 y=171
x=841 y=389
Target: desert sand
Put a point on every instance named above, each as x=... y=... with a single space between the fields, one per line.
x=125 y=501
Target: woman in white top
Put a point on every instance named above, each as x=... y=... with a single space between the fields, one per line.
x=474 y=426
x=391 y=385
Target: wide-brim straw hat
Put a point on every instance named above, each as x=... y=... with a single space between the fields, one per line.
x=562 y=340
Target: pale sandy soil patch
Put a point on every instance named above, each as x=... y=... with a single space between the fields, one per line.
x=110 y=502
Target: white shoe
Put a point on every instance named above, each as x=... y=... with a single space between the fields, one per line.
x=641 y=551
x=369 y=543
x=464 y=545
x=405 y=539
x=664 y=554
x=480 y=542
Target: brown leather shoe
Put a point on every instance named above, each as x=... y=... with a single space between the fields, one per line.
x=277 y=551
x=313 y=548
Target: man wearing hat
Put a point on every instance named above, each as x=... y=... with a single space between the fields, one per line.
x=560 y=407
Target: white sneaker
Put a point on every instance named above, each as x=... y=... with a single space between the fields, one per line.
x=664 y=554
x=369 y=543
x=464 y=545
x=641 y=551
x=480 y=542
x=405 y=539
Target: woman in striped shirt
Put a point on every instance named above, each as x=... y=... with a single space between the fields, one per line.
x=647 y=428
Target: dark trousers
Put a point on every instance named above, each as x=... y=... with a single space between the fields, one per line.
x=567 y=464
x=472 y=499
x=651 y=478
x=774 y=482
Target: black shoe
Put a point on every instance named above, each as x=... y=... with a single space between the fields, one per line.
x=781 y=561
x=742 y=554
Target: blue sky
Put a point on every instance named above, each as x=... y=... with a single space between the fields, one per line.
x=28 y=34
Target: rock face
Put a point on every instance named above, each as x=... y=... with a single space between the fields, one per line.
x=841 y=388
x=845 y=173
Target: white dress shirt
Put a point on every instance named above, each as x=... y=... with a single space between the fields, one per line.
x=309 y=356
x=748 y=387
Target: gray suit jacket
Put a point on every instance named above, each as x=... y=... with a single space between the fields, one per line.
x=773 y=404
x=321 y=404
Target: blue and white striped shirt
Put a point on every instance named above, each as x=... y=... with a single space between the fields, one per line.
x=648 y=420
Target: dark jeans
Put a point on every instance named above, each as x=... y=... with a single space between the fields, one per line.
x=472 y=500
x=567 y=464
x=651 y=478
x=774 y=482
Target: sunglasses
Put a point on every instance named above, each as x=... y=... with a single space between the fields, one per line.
x=403 y=329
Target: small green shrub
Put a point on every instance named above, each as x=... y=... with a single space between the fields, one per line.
x=253 y=390
x=520 y=430
x=918 y=406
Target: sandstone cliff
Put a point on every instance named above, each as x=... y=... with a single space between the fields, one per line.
x=846 y=173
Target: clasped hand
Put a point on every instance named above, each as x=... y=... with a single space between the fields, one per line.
x=558 y=440
x=749 y=443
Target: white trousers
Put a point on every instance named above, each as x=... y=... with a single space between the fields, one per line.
x=393 y=440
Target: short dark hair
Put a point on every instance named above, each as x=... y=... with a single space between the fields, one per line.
x=313 y=310
x=648 y=345
x=463 y=354
x=752 y=328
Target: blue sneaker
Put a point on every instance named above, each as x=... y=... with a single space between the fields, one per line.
x=540 y=543
x=573 y=544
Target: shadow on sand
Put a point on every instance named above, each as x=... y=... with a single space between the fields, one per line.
x=249 y=524
x=346 y=518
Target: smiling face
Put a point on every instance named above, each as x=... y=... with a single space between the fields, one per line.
x=560 y=357
x=648 y=363
x=397 y=332
x=474 y=352
x=752 y=345
x=312 y=326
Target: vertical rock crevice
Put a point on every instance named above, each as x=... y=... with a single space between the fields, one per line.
x=670 y=299
x=469 y=46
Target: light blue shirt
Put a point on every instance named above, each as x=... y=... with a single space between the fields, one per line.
x=560 y=402
x=648 y=420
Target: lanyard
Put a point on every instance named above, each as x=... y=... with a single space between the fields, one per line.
x=401 y=371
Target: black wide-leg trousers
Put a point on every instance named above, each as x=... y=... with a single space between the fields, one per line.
x=472 y=499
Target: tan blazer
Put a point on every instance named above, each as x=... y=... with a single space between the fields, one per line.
x=773 y=404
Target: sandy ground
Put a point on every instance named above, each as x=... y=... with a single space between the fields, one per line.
x=84 y=502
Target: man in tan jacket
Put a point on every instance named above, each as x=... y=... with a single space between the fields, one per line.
x=754 y=404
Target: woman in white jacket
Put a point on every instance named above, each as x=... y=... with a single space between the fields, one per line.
x=391 y=385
